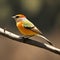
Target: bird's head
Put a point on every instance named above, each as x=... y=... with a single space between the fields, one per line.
x=19 y=17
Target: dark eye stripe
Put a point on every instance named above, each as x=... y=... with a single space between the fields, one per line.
x=17 y=16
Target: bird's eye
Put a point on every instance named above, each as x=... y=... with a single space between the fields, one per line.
x=17 y=16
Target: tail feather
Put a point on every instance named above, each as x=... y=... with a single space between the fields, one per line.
x=45 y=39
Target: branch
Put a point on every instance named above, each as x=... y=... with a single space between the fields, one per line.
x=29 y=41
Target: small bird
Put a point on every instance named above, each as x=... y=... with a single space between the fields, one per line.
x=27 y=28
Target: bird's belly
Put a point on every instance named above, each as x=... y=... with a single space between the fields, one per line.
x=25 y=31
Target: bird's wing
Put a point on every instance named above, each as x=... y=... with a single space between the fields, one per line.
x=30 y=26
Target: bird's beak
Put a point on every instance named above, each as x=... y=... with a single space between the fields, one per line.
x=13 y=17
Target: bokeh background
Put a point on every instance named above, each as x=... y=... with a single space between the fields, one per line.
x=45 y=14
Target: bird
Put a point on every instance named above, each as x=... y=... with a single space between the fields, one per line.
x=27 y=28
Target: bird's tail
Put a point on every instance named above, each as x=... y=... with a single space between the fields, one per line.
x=45 y=39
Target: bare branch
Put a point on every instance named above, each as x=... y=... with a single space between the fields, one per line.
x=29 y=41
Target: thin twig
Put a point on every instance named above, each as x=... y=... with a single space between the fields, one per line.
x=29 y=41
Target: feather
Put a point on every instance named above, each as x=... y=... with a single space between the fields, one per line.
x=30 y=26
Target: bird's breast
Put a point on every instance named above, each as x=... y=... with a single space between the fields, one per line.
x=23 y=30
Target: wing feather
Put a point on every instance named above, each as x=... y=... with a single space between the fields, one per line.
x=32 y=27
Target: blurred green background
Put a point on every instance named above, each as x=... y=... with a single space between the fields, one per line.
x=45 y=14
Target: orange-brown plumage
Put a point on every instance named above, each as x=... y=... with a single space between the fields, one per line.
x=21 y=15
x=23 y=30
